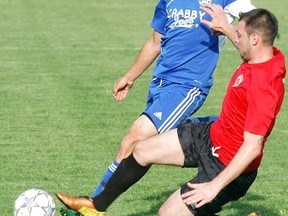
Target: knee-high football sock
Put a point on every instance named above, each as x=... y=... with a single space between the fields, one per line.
x=105 y=178
x=128 y=173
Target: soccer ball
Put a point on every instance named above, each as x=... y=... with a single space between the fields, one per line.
x=34 y=202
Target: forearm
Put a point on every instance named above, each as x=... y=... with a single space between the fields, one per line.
x=230 y=32
x=147 y=55
x=250 y=149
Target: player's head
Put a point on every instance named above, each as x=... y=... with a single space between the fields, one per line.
x=262 y=22
x=256 y=29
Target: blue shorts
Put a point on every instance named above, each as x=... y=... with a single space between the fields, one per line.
x=169 y=104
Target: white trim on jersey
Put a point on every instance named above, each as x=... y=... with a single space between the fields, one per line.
x=233 y=10
x=180 y=109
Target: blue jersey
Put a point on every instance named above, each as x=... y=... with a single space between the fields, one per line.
x=189 y=52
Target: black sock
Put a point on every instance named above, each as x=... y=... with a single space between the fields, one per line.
x=128 y=173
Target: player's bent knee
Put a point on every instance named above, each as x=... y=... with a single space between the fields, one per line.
x=140 y=155
x=126 y=147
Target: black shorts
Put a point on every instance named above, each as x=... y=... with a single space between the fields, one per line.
x=197 y=148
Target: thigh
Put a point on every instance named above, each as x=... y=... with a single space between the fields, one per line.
x=160 y=149
x=170 y=104
x=208 y=168
x=174 y=206
x=141 y=129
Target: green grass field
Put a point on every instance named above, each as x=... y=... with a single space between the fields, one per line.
x=60 y=126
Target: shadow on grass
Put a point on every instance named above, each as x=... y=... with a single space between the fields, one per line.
x=239 y=208
x=246 y=204
x=154 y=209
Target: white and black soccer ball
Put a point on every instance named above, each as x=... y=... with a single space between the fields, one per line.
x=34 y=202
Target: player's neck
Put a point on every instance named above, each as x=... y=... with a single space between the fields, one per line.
x=261 y=55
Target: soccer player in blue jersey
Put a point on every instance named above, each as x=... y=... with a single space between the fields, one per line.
x=227 y=152
x=187 y=54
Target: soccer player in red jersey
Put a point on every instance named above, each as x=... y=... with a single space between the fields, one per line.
x=226 y=152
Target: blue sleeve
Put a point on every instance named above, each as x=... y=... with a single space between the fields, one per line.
x=160 y=17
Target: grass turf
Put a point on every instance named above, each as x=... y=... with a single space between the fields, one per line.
x=59 y=125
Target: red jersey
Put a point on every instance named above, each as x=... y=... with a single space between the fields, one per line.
x=253 y=99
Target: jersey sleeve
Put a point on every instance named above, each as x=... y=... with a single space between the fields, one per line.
x=234 y=9
x=159 y=20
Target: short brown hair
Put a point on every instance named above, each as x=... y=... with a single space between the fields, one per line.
x=263 y=22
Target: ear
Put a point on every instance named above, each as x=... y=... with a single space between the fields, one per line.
x=254 y=38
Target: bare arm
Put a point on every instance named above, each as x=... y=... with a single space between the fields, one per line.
x=206 y=192
x=147 y=55
x=219 y=23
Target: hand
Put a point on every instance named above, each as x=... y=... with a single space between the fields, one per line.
x=201 y=194
x=219 y=23
x=121 y=88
